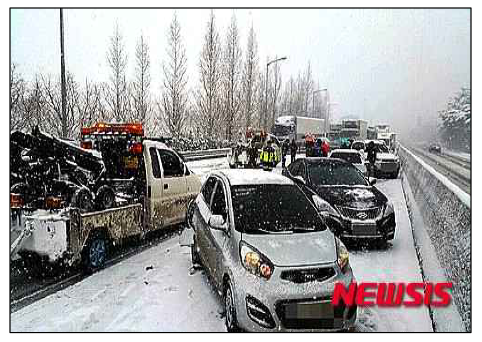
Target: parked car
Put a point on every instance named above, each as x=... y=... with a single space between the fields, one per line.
x=358 y=145
x=269 y=253
x=387 y=163
x=352 y=206
x=355 y=157
x=435 y=148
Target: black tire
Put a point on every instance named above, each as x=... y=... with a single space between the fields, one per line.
x=230 y=309
x=82 y=199
x=95 y=253
x=195 y=259
x=105 y=198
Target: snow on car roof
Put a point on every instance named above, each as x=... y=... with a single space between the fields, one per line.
x=345 y=151
x=250 y=177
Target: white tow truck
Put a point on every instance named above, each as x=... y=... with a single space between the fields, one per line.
x=69 y=235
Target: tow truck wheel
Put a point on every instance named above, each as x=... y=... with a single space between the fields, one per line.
x=82 y=199
x=95 y=253
x=105 y=198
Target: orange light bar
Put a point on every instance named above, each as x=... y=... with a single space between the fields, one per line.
x=16 y=201
x=124 y=128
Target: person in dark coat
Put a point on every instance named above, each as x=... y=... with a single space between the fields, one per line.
x=294 y=148
x=285 y=147
x=372 y=157
x=252 y=154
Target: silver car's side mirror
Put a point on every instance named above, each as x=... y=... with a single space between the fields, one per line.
x=372 y=181
x=217 y=222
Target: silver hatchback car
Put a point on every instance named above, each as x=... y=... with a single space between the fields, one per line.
x=269 y=253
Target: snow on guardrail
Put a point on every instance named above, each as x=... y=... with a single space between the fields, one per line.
x=462 y=195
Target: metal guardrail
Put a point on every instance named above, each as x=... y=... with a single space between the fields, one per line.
x=205 y=154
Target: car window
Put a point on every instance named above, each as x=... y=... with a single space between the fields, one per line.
x=381 y=148
x=353 y=158
x=358 y=146
x=268 y=208
x=326 y=174
x=295 y=168
x=171 y=164
x=218 y=205
x=156 y=169
x=207 y=190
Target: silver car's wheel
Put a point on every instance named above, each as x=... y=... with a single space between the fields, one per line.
x=231 y=322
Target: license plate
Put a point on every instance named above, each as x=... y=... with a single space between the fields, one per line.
x=364 y=229
x=309 y=311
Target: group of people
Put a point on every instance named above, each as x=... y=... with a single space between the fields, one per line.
x=316 y=147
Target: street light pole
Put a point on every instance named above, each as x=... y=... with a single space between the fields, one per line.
x=62 y=76
x=266 y=89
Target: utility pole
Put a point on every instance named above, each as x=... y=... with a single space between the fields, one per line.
x=62 y=76
x=265 y=119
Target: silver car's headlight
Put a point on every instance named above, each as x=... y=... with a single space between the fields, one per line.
x=323 y=206
x=255 y=262
x=388 y=209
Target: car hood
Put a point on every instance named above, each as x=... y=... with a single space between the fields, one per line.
x=359 y=197
x=296 y=249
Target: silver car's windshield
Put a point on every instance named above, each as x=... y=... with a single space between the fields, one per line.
x=273 y=208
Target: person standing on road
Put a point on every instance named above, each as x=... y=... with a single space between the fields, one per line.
x=285 y=146
x=294 y=148
x=372 y=157
x=252 y=154
x=267 y=156
x=324 y=149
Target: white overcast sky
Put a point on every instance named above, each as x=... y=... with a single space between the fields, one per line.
x=383 y=65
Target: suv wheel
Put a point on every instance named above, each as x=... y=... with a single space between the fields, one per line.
x=195 y=259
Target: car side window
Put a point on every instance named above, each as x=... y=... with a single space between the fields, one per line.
x=207 y=190
x=295 y=168
x=156 y=169
x=218 y=205
x=171 y=164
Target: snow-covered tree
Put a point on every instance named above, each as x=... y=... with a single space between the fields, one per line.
x=456 y=121
x=250 y=80
x=209 y=100
x=117 y=92
x=174 y=102
x=231 y=78
x=140 y=91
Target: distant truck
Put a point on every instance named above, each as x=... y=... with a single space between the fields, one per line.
x=296 y=127
x=385 y=134
x=354 y=129
x=66 y=234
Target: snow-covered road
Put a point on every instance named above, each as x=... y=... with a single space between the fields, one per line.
x=155 y=290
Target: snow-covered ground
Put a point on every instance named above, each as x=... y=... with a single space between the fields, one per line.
x=462 y=155
x=155 y=290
